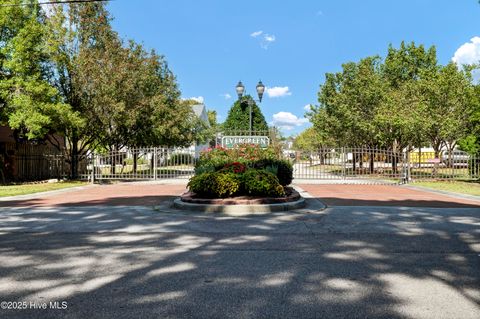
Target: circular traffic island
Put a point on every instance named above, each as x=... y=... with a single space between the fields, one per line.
x=241 y=205
x=243 y=180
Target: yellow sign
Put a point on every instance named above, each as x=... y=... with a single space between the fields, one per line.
x=423 y=157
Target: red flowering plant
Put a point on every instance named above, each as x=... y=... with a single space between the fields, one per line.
x=252 y=152
x=244 y=169
x=235 y=167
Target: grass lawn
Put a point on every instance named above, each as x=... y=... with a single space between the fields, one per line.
x=22 y=189
x=469 y=188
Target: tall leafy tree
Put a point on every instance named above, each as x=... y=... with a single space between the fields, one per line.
x=349 y=101
x=128 y=97
x=75 y=32
x=239 y=116
x=401 y=120
x=471 y=142
x=311 y=140
x=448 y=96
x=409 y=62
x=31 y=105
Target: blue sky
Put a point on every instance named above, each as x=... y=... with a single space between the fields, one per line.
x=289 y=45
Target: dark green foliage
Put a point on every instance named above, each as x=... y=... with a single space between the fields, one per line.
x=247 y=170
x=262 y=183
x=239 y=116
x=235 y=167
x=215 y=184
x=216 y=158
x=224 y=183
x=284 y=169
x=250 y=156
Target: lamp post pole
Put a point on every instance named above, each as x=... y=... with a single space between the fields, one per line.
x=240 y=88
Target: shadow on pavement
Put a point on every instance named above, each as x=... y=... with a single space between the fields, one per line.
x=108 y=200
x=340 y=201
x=114 y=263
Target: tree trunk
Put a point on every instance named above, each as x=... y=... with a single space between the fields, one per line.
x=450 y=148
x=372 y=162
x=436 y=163
x=420 y=157
x=135 y=160
x=354 y=161
x=394 y=163
x=113 y=157
x=74 y=158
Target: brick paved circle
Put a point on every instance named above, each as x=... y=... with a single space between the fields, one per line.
x=149 y=194
x=383 y=195
x=122 y=194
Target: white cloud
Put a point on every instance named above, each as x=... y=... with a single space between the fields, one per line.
x=469 y=53
x=199 y=99
x=287 y=120
x=267 y=40
x=278 y=91
x=256 y=34
x=226 y=96
x=307 y=107
x=264 y=39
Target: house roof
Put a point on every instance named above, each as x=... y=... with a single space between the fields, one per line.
x=201 y=111
x=198 y=109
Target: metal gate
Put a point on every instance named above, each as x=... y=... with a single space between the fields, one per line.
x=345 y=165
x=144 y=164
x=350 y=164
x=384 y=166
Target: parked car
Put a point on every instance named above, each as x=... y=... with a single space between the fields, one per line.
x=455 y=158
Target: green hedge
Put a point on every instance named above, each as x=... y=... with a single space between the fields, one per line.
x=223 y=183
x=262 y=183
x=245 y=170
x=283 y=168
x=215 y=184
x=248 y=155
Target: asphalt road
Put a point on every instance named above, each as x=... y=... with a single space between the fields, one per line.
x=342 y=262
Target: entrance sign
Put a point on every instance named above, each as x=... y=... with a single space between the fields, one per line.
x=231 y=141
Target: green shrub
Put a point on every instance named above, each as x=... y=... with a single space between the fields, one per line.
x=206 y=168
x=283 y=167
x=235 y=167
x=219 y=156
x=246 y=169
x=215 y=184
x=272 y=169
x=262 y=183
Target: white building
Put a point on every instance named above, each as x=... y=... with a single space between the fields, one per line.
x=201 y=112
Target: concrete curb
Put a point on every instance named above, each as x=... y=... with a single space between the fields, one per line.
x=240 y=210
x=307 y=204
x=436 y=191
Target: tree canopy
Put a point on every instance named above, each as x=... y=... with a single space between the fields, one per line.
x=239 y=116
x=403 y=101
x=70 y=73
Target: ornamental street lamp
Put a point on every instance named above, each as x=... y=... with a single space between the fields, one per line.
x=240 y=88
